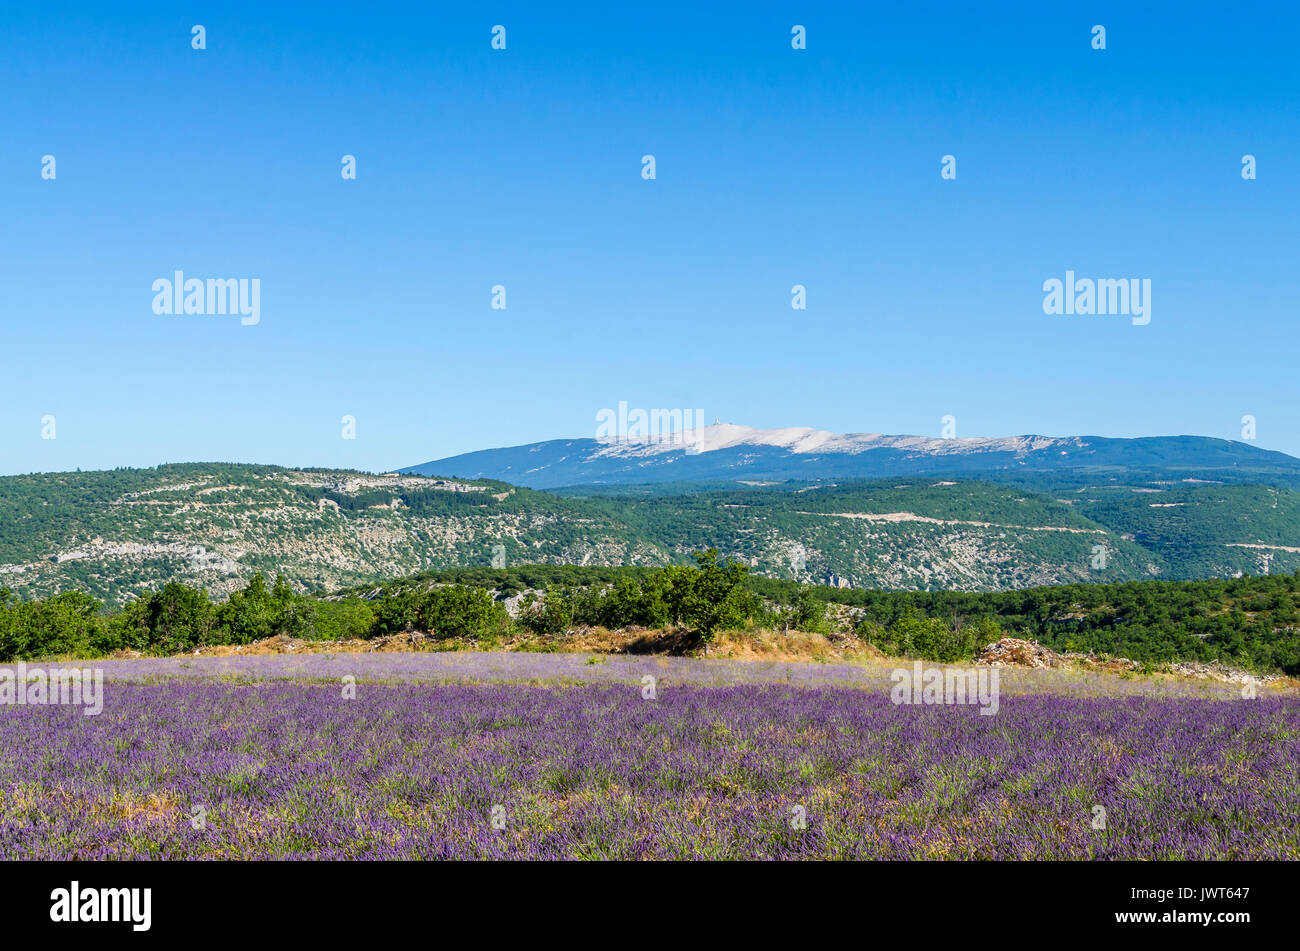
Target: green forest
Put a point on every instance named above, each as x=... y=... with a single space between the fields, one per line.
x=1250 y=622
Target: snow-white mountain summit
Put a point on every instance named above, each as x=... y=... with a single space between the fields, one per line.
x=802 y=440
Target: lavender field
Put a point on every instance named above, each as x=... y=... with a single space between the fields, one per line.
x=481 y=756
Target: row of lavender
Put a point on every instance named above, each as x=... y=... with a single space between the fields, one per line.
x=196 y=767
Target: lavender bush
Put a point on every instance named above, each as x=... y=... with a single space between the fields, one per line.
x=256 y=767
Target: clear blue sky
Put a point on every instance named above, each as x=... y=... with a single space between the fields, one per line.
x=522 y=168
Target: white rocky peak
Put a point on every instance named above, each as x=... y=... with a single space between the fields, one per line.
x=805 y=440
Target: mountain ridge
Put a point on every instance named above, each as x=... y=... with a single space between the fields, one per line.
x=725 y=451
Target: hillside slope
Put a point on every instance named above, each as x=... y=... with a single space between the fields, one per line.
x=114 y=534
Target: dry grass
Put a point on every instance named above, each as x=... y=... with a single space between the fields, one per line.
x=743 y=645
x=761 y=644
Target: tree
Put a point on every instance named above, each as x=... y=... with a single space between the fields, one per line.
x=178 y=618
x=459 y=611
x=395 y=613
x=64 y=624
x=249 y=615
x=806 y=612
x=987 y=632
x=550 y=614
x=716 y=597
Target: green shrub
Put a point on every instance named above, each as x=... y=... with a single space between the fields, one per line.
x=925 y=638
x=177 y=618
x=550 y=614
x=67 y=623
x=458 y=611
x=806 y=612
x=395 y=613
x=713 y=597
x=347 y=619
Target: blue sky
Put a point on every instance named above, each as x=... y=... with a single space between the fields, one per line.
x=522 y=168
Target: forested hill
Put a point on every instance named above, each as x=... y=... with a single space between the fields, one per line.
x=114 y=534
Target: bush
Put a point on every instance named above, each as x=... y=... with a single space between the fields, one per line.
x=806 y=612
x=921 y=637
x=987 y=632
x=458 y=611
x=344 y=620
x=249 y=615
x=176 y=619
x=632 y=602
x=256 y=613
x=713 y=597
x=395 y=613
x=443 y=611
x=548 y=615
x=707 y=598
x=67 y=623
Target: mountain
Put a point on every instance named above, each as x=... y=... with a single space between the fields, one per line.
x=728 y=452
x=116 y=534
